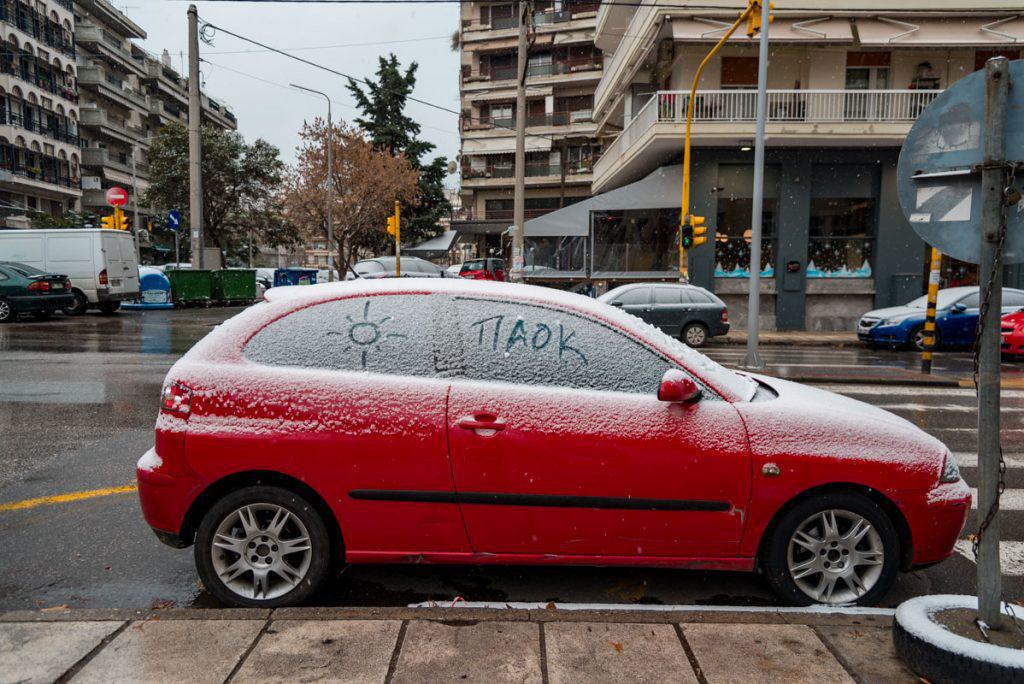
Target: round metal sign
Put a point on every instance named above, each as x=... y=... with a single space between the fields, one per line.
x=117 y=197
x=939 y=171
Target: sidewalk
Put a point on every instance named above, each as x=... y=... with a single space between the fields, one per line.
x=438 y=644
x=792 y=338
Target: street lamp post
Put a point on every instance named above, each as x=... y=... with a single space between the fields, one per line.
x=330 y=181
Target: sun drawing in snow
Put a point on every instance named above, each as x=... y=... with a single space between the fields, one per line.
x=366 y=335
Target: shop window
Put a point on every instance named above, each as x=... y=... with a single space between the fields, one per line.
x=551 y=255
x=636 y=240
x=733 y=237
x=841 y=237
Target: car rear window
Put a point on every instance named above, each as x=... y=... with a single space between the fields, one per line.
x=698 y=297
x=473 y=266
x=383 y=334
x=364 y=267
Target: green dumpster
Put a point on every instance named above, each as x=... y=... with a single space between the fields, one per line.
x=191 y=286
x=234 y=286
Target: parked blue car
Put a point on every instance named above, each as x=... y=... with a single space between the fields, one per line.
x=956 y=318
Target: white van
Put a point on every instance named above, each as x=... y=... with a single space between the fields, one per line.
x=100 y=263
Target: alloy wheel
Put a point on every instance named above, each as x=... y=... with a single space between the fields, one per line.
x=261 y=551
x=5 y=310
x=695 y=336
x=835 y=556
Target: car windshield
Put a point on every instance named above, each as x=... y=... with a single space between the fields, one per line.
x=945 y=299
x=365 y=267
x=24 y=269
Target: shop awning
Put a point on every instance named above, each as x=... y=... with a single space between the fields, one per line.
x=437 y=246
x=659 y=190
x=783 y=31
x=503 y=145
x=505 y=95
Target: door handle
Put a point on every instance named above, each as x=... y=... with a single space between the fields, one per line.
x=481 y=421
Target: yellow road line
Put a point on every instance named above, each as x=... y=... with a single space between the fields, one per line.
x=65 y=498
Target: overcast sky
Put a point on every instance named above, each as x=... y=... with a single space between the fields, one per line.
x=268 y=108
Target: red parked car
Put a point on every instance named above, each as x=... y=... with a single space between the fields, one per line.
x=483 y=269
x=1013 y=334
x=441 y=421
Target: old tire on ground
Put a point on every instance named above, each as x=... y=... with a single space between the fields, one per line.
x=262 y=547
x=108 y=308
x=833 y=548
x=6 y=311
x=80 y=306
x=694 y=335
x=940 y=656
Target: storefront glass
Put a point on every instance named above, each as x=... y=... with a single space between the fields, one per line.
x=640 y=241
x=556 y=256
x=841 y=237
x=732 y=237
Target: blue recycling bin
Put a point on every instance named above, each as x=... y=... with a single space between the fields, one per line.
x=294 y=276
x=154 y=290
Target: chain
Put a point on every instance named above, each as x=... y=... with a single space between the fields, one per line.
x=997 y=264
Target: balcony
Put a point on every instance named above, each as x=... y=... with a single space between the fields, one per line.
x=108 y=46
x=537 y=173
x=541 y=19
x=110 y=86
x=113 y=126
x=579 y=68
x=96 y=157
x=61 y=133
x=799 y=118
x=546 y=120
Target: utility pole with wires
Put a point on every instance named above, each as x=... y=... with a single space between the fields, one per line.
x=519 y=196
x=195 y=168
x=330 y=182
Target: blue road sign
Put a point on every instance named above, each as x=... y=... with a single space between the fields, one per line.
x=939 y=171
x=174 y=220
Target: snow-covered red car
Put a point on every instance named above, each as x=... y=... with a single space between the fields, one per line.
x=1013 y=334
x=447 y=421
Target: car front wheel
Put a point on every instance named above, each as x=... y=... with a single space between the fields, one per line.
x=262 y=547
x=6 y=311
x=695 y=335
x=917 y=339
x=835 y=548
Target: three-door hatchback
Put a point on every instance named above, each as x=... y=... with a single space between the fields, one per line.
x=444 y=421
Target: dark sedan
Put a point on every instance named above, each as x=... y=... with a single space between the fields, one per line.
x=24 y=289
x=688 y=312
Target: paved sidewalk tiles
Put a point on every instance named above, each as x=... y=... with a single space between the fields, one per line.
x=43 y=651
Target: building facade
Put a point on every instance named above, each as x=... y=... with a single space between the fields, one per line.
x=844 y=87
x=39 y=115
x=563 y=70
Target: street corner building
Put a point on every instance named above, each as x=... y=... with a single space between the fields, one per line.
x=845 y=85
x=80 y=102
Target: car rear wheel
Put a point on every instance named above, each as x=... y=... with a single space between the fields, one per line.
x=917 y=339
x=6 y=311
x=835 y=548
x=695 y=334
x=80 y=305
x=262 y=547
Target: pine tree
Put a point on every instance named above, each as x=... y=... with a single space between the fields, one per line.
x=382 y=104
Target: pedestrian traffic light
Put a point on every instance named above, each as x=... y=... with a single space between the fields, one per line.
x=698 y=230
x=686 y=234
x=754 y=19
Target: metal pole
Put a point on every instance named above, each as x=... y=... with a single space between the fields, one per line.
x=929 y=317
x=135 y=211
x=753 y=358
x=177 y=255
x=993 y=180
x=195 y=169
x=330 y=182
x=398 y=239
x=519 y=196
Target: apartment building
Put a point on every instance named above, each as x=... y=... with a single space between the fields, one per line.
x=563 y=70
x=39 y=118
x=127 y=95
x=845 y=86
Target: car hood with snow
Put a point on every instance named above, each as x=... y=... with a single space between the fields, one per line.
x=895 y=312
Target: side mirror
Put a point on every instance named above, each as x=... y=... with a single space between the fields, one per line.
x=618 y=304
x=677 y=386
x=957 y=308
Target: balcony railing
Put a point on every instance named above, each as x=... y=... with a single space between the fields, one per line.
x=37 y=25
x=34 y=125
x=26 y=72
x=553 y=68
x=533 y=170
x=784 y=106
x=540 y=18
x=536 y=120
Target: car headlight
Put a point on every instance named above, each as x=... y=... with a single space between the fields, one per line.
x=950 y=470
x=887 y=321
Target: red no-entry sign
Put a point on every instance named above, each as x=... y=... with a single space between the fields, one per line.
x=117 y=197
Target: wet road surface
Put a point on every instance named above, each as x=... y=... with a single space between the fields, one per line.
x=78 y=398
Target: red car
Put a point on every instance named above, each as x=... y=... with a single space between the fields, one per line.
x=440 y=421
x=1013 y=334
x=483 y=269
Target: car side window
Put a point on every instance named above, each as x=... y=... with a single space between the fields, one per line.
x=3 y=276
x=473 y=266
x=668 y=295
x=698 y=297
x=638 y=295
x=383 y=334
x=971 y=301
x=1013 y=298
x=536 y=345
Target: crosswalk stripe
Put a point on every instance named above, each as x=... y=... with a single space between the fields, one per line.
x=1011 y=500
x=1011 y=556
x=969 y=459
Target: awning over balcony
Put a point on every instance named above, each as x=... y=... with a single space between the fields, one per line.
x=503 y=145
x=506 y=95
x=782 y=30
x=434 y=247
x=659 y=190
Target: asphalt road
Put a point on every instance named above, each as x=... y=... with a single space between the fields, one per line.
x=78 y=398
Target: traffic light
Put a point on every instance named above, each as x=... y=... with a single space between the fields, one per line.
x=686 y=234
x=392 y=228
x=754 y=19
x=109 y=222
x=121 y=221
x=698 y=230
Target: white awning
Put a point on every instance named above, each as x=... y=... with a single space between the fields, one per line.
x=961 y=32
x=783 y=30
x=505 y=94
x=434 y=246
x=504 y=145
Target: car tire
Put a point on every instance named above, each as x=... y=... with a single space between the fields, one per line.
x=108 y=308
x=800 y=551
x=80 y=306
x=6 y=311
x=694 y=335
x=248 y=516
x=916 y=339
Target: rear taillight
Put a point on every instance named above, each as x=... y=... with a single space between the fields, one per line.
x=39 y=286
x=725 y=315
x=176 y=398
x=103 y=277
x=67 y=284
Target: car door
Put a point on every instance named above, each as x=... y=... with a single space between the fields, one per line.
x=637 y=301
x=359 y=414
x=959 y=327
x=669 y=308
x=559 y=444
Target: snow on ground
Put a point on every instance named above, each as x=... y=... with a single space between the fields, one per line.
x=1011 y=556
